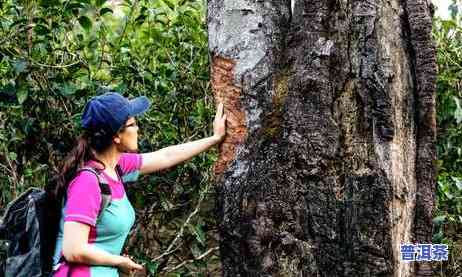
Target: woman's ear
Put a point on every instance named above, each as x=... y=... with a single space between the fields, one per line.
x=116 y=139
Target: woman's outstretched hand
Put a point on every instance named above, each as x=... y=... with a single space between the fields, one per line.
x=219 y=124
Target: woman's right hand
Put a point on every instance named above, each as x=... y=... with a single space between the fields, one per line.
x=126 y=265
x=219 y=124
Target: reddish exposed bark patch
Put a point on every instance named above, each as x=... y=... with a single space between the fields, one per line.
x=228 y=93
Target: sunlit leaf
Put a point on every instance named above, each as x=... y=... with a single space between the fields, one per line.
x=200 y=235
x=12 y=156
x=104 y=11
x=458 y=111
x=458 y=182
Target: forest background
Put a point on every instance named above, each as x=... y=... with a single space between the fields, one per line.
x=56 y=54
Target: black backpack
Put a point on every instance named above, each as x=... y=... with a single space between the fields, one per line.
x=29 y=229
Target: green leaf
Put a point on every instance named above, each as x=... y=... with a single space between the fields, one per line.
x=458 y=182
x=166 y=205
x=74 y=5
x=99 y=3
x=12 y=156
x=19 y=66
x=449 y=195
x=439 y=219
x=200 y=235
x=73 y=9
x=438 y=237
x=21 y=21
x=458 y=111
x=182 y=2
x=152 y=267
x=28 y=172
x=140 y=19
x=22 y=94
x=121 y=87
x=104 y=11
x=41 y=29
x=169 y=4
x=195 y=250
x=68 y=89
x=85 y=22
x=449 y=24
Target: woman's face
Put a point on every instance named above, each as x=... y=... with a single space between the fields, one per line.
x=128 y=137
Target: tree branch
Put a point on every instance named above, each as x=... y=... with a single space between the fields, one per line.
x=180 y=234
x=205 y=254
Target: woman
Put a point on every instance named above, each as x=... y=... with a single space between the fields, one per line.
x=87 y=247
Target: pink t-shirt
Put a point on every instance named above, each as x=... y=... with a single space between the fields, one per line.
x=109 y=231
x=87 y=211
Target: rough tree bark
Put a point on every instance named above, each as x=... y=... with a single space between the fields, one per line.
x=328 y=164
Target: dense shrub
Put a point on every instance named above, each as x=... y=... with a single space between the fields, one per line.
x=448 y=219
x=55 y=55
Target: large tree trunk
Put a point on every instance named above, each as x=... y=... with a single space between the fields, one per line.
x=328 y=165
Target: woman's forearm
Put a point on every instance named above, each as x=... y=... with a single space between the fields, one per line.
x=185 y=151
x=173 y=155
x=90 y=254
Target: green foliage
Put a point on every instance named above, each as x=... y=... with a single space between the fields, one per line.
x=448 y=218
x=56 y=54
x=448 y=36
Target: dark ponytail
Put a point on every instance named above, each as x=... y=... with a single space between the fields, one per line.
x=84 y=150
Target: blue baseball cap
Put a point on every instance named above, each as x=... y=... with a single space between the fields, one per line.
x=111 y=110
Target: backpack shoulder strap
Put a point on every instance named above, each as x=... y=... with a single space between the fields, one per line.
x=120 y=173
x=106 y=196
